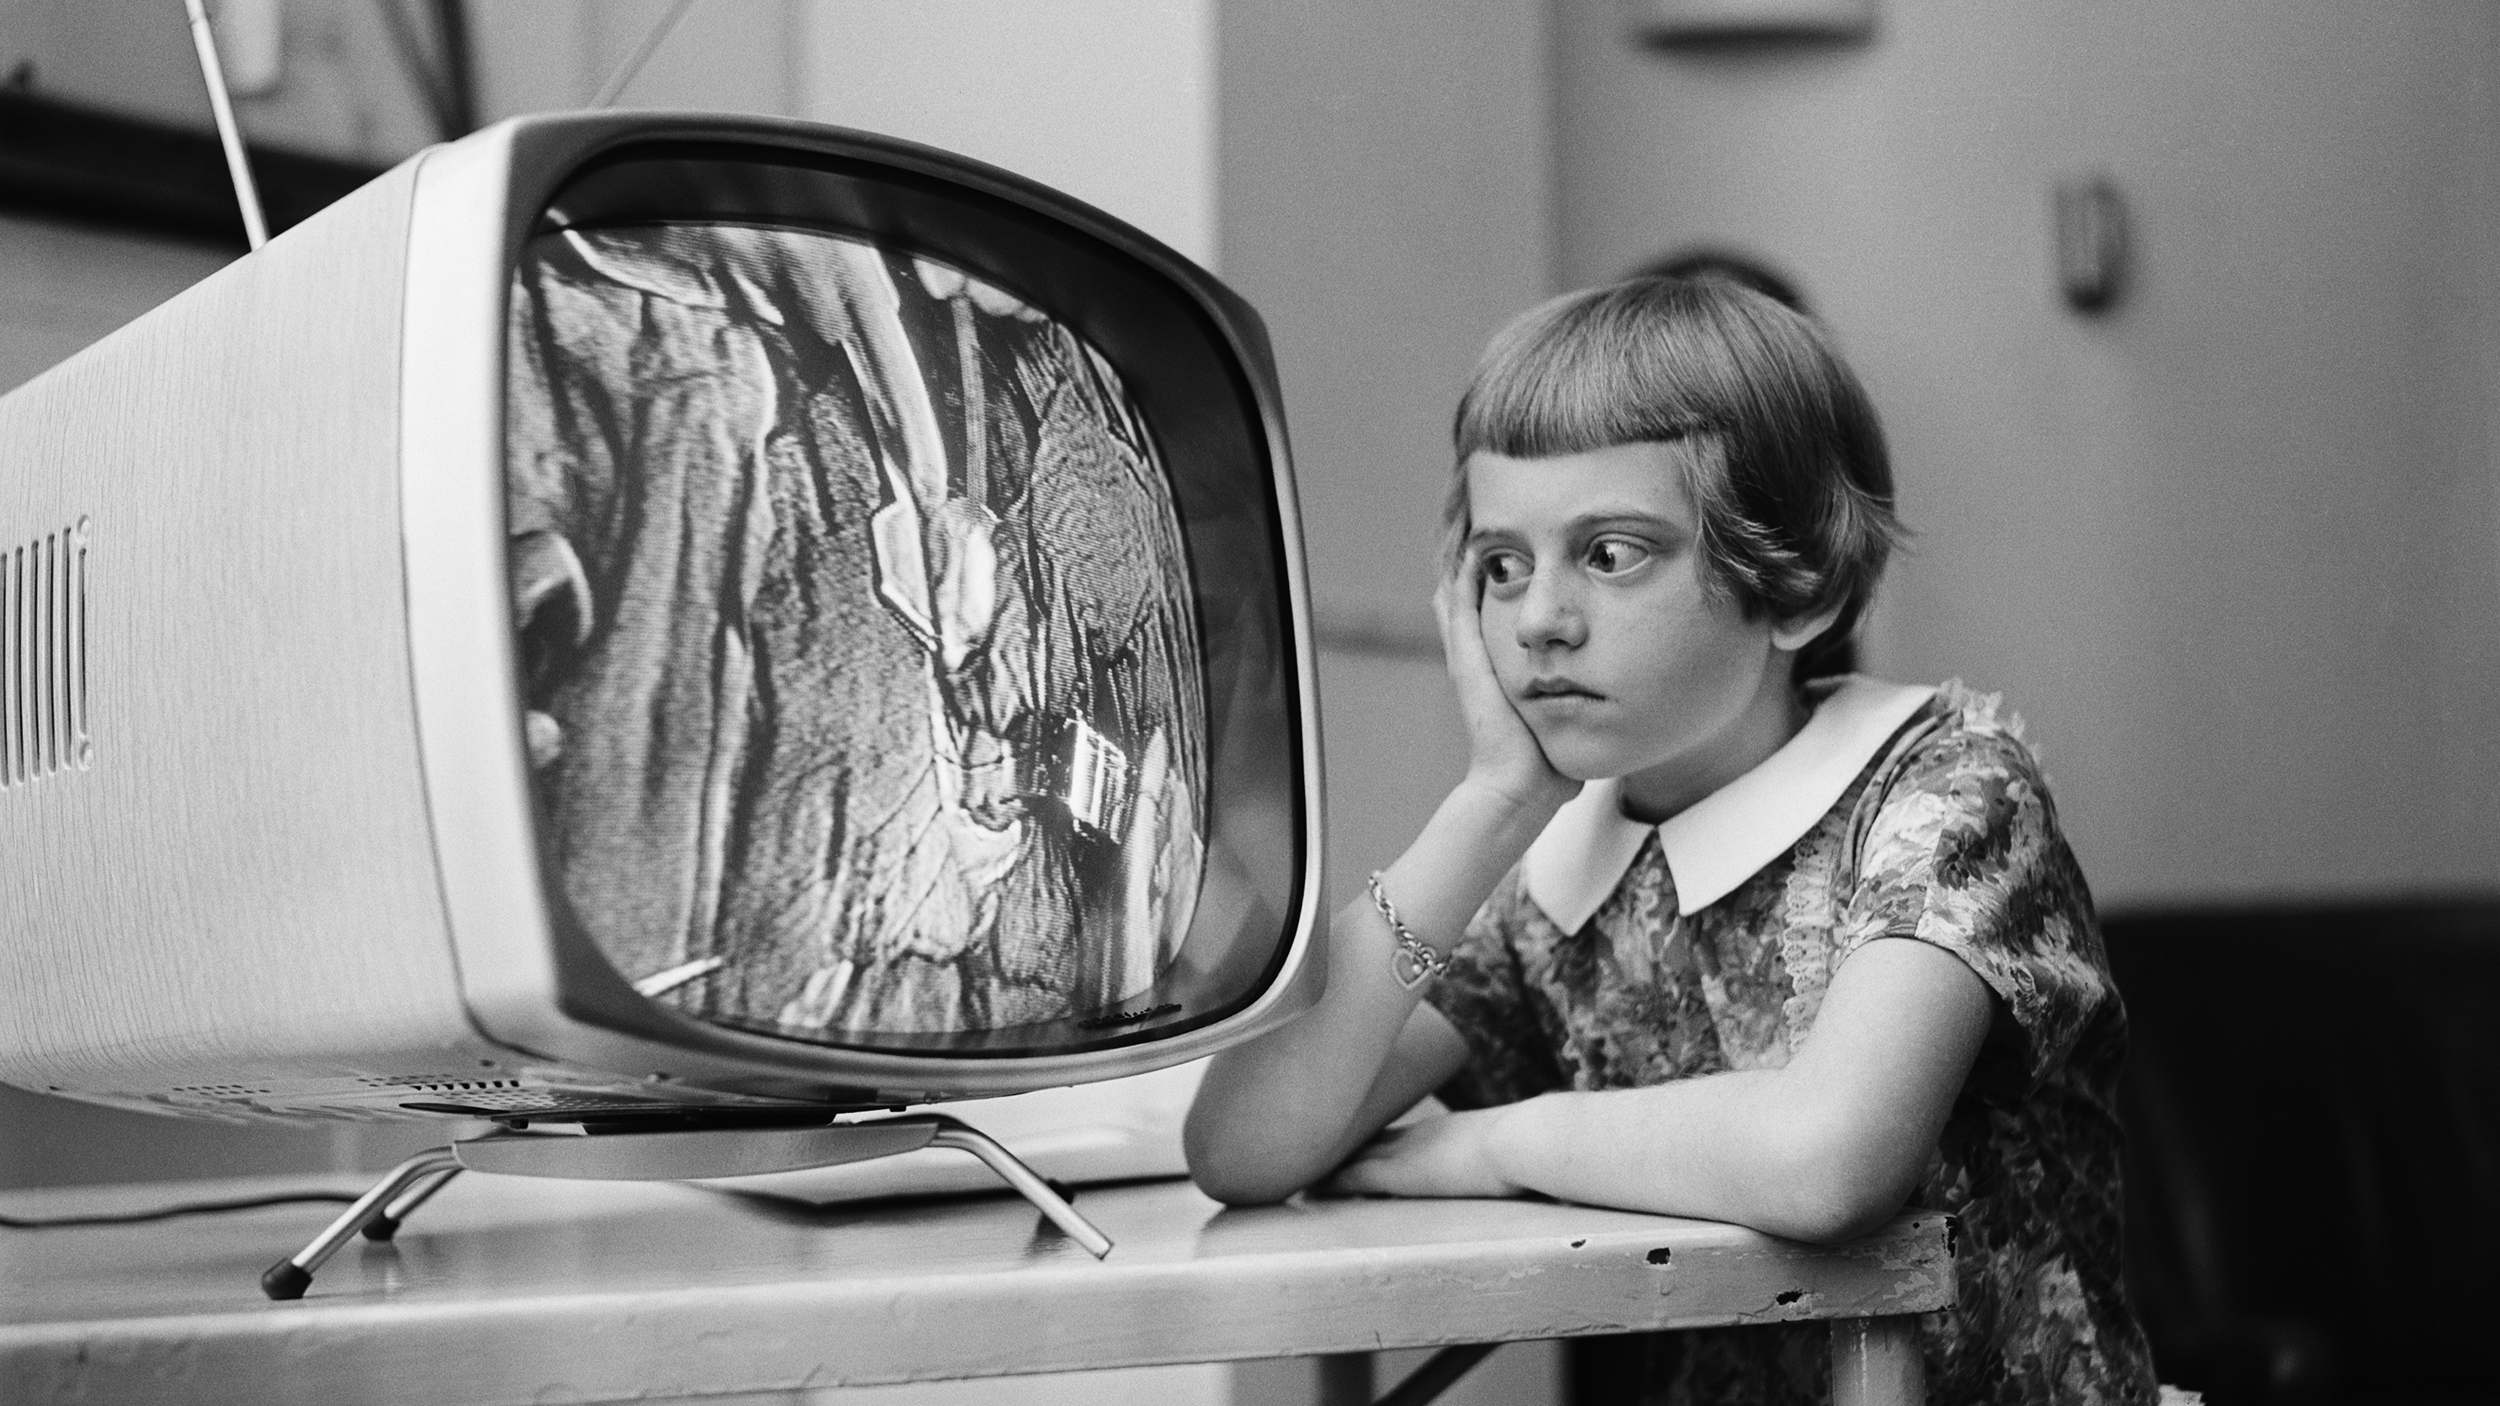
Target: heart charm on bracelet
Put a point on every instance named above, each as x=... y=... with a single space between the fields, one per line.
x=1413 y=963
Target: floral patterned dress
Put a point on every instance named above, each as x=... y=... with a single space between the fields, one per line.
x=1947 y=836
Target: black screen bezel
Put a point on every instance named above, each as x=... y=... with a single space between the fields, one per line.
x=1195 y=360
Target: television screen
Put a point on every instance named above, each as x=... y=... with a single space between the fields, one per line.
x=863 y=678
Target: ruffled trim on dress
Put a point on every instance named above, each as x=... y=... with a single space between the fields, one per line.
x=1984 y=713
x=1808 y=915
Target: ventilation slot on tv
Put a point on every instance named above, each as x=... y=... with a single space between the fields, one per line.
x=43 y=658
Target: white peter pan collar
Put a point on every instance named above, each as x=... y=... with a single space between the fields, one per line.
x=1727 y=836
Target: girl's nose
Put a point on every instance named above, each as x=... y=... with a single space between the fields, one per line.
x=1550 y=615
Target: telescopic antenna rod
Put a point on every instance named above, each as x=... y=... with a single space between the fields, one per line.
x=615 y=86
x=246 y=195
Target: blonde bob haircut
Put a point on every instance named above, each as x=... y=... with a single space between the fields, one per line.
x=1785 y=463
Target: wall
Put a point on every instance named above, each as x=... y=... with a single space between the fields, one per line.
x=1385 y=203
x=722 y=55
x=2232 y=548
x=1109 y=100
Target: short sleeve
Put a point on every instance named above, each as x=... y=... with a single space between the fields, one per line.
x=1963 y=851
x=1485 y=997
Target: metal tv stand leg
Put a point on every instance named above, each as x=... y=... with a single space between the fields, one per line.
x=289 y=1277
x=668 y=1154
x=385 y=1225
x=1011 y=1169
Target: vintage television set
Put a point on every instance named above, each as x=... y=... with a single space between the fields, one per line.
x=655 y=623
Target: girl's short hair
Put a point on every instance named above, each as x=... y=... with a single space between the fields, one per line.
x=1785 y=468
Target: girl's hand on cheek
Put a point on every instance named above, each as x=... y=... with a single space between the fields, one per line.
x=1503 y=753
x=1443 y=1156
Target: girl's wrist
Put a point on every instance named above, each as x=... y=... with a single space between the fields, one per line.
x=1523 y=1138
x=1513 y=803
x=1426 y=897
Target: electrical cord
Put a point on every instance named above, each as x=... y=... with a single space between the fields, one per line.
x=187 y=1208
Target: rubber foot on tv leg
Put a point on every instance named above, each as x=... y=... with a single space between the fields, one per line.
x=285 y=1280
x=381 y=1228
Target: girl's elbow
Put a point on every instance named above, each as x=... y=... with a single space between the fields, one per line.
x=1223 y=1172
x=1229 y=1170
x=1234 y=1189
x=1831 y=1190
x=1828 y=1215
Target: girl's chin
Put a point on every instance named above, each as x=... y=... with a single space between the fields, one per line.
x=1582 y=757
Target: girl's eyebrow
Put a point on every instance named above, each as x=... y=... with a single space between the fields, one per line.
x=1596 y=520
x=1625 y=517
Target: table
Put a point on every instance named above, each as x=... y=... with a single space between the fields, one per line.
x=508 y=1289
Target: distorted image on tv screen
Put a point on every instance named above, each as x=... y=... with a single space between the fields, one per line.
x=862 y=669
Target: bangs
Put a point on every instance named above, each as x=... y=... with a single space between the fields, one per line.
x=1590 y=369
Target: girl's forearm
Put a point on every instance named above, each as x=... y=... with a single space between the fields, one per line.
x=1822 y=1148
x=1741 y=1147
x=1473 y=839
x=1281 y=1112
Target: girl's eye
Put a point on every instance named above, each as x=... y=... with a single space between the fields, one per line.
x=1612 y=556
x=1503 y=568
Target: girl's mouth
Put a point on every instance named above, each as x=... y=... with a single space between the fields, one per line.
x=1542 y=689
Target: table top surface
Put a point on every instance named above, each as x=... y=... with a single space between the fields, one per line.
x=510 y=1288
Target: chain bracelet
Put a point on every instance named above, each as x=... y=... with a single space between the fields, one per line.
x=1413 y=963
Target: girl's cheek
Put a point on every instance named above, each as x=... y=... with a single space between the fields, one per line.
x=1501 y=639
x=1493 y=617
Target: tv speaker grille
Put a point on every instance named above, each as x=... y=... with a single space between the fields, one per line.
x=43 y=658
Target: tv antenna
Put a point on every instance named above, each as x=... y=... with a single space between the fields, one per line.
x=615 y=86
x=246 y=195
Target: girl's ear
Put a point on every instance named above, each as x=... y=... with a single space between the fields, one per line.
x=1796 y=634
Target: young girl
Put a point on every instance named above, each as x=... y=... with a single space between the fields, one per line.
x=1704 y=932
